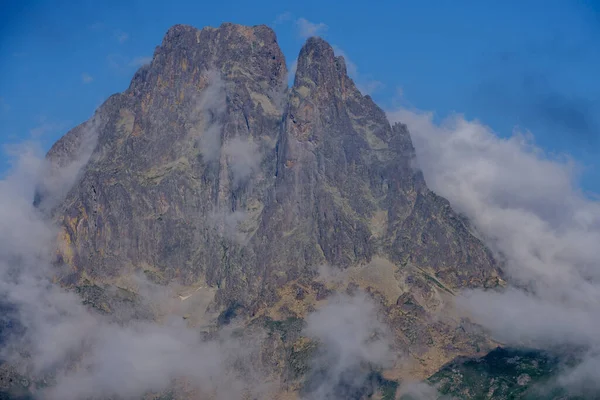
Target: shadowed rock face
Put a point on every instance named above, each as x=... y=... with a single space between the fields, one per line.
x=209 y=169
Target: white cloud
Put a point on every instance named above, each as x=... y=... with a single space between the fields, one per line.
x=399 y=92
x=207 y=113
x=46 y=127
x=139 y=61
x=292 y=72
x=227 y=224
x=243 y=157
x=368 y=86
x=117 y=61
x=529 y=209
x=86 y=78
x=123 y=64
x=418 y=391
x=282 y=18
x=121 y=36
x=54 y=181
x=307 y=29
x=352 y=341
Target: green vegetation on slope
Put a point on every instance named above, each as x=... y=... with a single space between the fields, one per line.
x=502 y=374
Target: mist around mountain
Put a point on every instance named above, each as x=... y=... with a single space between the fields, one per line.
x=213 y=233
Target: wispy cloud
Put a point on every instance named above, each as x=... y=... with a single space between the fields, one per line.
x=117 y=61
x=123 y=64
x=352 y=341
x=209 y=108
x=282 y=18
x=530 y=211
x=307 y=29
x=96 y=26
x=121 y=36
x=399 y=92
x=368 y=86
x=365 y=83
x=244 y=158
x=418 y=391
x=292 y=71
x=90 y=355
x=139 y=61
x=46 y=127
x=86 y=78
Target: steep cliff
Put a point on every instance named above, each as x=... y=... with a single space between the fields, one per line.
x=210 y=172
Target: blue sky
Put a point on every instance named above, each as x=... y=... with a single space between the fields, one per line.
x=532 y=64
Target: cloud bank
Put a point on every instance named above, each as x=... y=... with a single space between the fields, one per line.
x=528 y=207
x=353 y=343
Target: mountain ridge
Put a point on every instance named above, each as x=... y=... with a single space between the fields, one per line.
x=211 y=172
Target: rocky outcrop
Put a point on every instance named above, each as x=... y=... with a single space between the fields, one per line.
x=209 y=170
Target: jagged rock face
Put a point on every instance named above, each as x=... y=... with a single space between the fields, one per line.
x=153 y=191
x=346 y=189
x=209 y=169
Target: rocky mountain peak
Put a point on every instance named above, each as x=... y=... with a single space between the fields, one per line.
x=210 y=173
x=239 y=54
x=318 y=64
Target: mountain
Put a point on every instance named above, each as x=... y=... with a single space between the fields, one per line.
x=211 y=173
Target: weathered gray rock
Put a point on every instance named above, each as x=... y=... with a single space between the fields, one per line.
x=154 y=195
x=208 y=169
